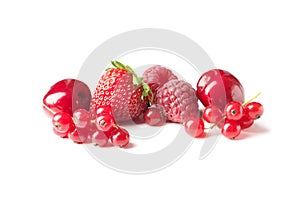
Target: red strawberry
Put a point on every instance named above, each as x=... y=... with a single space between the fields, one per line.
x=157 y=76
x=178 y=100
x=117 y=89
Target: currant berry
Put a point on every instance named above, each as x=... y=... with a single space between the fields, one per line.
x=120 y=137
x=212 y=114
x=231 y=129
x=99 y=138
x=245 y=122
x=62 y=124
x=81 y=118
x=75 y=137
x=154 y=116
x=194 y=126
x=254 y=110
x=105 y=123
x=234 y=110
x=104 y=110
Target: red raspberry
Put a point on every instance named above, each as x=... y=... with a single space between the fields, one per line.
x=157 y=76
x=178 y=99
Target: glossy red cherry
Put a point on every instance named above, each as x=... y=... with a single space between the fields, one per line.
x=194 y=126
x=62 y=124
x=234 y=110
x=231 y=129
x=120 y=137
x=154 y=116
x=212 y=114
x=67 y=96
x=254 y=110
x=218 y=87
x=245 y=122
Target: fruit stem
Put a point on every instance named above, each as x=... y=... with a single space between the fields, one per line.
x=224 y=117
x=48 y=109
x=146 y=88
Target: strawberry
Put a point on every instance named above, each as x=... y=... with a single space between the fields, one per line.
x=116 y=88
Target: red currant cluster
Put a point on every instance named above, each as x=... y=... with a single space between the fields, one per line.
x=235 y=117
x=231 y=121
x=85 y=128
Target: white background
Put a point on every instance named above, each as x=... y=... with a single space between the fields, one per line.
x=41 y=43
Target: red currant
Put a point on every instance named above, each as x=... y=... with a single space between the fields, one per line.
x=154 y=116
x=245 y=122
x=75 y=136
x=254 y=110
x=105 y=123
x=212 y=114
x=81 y=118
x=234 y=110
x=62 y=124
x=99 y=138
x=120 y=137
x=194 y=126
x=104 y=110
x=231 y=129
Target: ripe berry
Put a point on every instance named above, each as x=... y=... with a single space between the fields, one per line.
x=81 y=118
x=154 y=116
x=234 y=110
x=99 y=138
x=245 y=122
x=62 y=124
x=120 y=137
x=231 y=129
x=194 y=126
x=254 y=110
x=212 y=114
x=105 y=123
x=75 y=137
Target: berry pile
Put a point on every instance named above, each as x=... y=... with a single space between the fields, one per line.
x=159 y=96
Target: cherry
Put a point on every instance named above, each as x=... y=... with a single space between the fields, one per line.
x=231 y=129
x=62 y=124
x=218 y=87
x=234 y=110
x=254 y=110
x=120 y=137
x=66 y=96
x=194 y=126
x=212 y=114
x=81 y=118
x=154 y=116
x=245 y=122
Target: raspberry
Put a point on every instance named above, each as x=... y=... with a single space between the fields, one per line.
x=157 y=76
x=178 y=99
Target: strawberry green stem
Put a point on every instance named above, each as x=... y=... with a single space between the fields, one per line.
x=146 y=88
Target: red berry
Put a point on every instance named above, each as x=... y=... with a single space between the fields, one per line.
x=116 y=88
x=105 y=122
x=254 y=110
x=66 y=96
x=157 y=76
x=99 y=138
x=75 y=136
x=212 y=114
x=81 y=118
x=154 y=116
x=194 y=126
x=218 y=87
x=120 y=137
x=234 y=110
x=245 y=122
x=231 y=129
x=62 y=124
x=178 y=99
